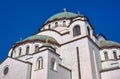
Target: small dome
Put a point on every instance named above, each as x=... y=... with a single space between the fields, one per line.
x=62 y=15
x=108 y=44
x=41 y=38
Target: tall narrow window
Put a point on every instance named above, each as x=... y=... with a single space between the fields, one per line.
x=106 y=55
x=14 y=53
x=64 y=23
x=76 y=30
x=11 y=54
x=53 y=64
x=40 y=63
x=88 y=31
x=27 y=50
x=20 y=49
x=36 y=48
x=115 y=55
x=49 y=26
x=56 y=24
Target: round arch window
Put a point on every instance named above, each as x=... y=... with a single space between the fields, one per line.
x=5 y=71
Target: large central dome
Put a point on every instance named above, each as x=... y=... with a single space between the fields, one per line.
x=62 y=15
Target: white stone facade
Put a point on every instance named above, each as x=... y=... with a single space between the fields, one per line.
x=65 y=47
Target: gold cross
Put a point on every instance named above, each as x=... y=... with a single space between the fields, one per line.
x=47 y=41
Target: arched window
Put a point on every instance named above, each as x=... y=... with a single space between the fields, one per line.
x=27 y=50
x=20 y=49
x=14 y=53
x=56 y=24
x=40 y=63
x=76 y=30
x=36 y=48
x=106 y=55
x=119 y=56
x=64 y=23
x=11 y=54
x=49 y=26
x=88 y=29
x=115 y=55
x=53 y=64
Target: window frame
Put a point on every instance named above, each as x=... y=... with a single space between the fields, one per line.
x=53 y=64
x=40 y=63
x=76 y=30
x=106 y=55
x=27 y=50
x=115 y=55
x=36 y=48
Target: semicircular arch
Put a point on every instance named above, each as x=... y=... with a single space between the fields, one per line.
x=56 y=35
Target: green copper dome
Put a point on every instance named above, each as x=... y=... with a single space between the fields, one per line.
x=62 y=15
x=42 y=38
x=108 y=43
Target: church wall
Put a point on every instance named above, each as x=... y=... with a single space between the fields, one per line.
x=95 y=59
x=16 y=69
x=111 y=62
x=68 y=37
x=110 y=53
x=69 y=58
x=59 y=72
x=113 y=74
x=40 y=73
x=82 y=27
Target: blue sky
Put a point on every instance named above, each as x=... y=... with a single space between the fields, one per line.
x=23 y=18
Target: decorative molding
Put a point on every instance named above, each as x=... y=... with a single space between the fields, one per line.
x=64 y=18
x=109 y=47
x=65 y=67
x=81 y=38
x=73 y=40
x=53 y=31
x=17 y=60
x=49 y=50
x=32 y=41
x=110 y=69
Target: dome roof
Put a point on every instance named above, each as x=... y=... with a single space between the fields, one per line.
x=108 y=44
x=62 y=15
x=41 y=38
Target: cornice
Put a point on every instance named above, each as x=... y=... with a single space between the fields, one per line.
x=33 y=41
x=110 y=69
x=109 y=47
x=53 y=31
x=57 y=19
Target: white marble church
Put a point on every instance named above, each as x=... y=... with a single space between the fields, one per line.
x=65 y=47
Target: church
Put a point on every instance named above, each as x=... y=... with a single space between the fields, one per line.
x=65 y=47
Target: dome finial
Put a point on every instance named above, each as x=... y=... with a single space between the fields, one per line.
x=20 y=39
x=65 y=10
x=78 y=13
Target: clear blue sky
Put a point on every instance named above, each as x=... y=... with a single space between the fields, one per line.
x=23 y=18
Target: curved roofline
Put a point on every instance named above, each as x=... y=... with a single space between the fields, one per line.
x=31 y=41
x=61 y=15
x=47 y=46
x=100 y=34
x=109 y=47
x=109 y=44
x=64 y=18
x=53 y=31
